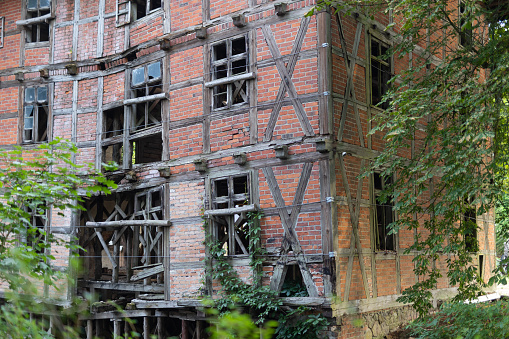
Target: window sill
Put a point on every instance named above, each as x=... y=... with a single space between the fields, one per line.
x=29 y=45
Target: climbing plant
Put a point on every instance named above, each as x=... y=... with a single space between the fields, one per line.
x=262 y=302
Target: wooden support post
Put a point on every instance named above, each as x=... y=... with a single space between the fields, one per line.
x=90 y=329
x=116 y=328
x=160 y=331
x=166 y=242
x=184 y=330
x=146 y=327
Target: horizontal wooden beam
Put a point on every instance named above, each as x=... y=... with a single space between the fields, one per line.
x=34 y=21
x=122 y=223
x=146 y=98
x=222 y=81
x=103 y=285
x=230 y=211
x=117 y=315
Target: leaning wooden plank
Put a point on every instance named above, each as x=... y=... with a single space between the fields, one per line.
x=146 y=273
x=228 y=211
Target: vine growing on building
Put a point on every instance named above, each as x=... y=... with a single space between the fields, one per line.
x=262 y=302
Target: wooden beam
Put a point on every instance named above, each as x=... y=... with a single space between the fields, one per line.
x=123 y=223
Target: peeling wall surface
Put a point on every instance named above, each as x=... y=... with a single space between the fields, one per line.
x=212 y=109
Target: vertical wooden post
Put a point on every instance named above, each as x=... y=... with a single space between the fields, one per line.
x=146 y=327
x=184 y=330
x=90 y=329
x=166 y=242
x=116 y=328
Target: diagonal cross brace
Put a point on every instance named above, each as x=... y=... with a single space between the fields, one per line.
x=294 y=57
x=287 y=82
x=289 y=221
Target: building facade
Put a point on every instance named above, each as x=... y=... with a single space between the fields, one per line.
x=214 y=109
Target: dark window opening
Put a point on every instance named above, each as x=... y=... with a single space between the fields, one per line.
x=38 y=32
x=112 y=138
x=470 y=228
x=229 y=58
x=384 y=215
x=293 y=286
x=148 y=149
x=380 y=73
x=146 y=81
x=35 y=114
x=231 y=230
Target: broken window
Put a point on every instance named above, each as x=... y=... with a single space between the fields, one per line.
x=380 y=73
x=469 y=225
x=229 y=223
x=35 y=114
x=38 y=12
x=383 y=214
x=138 y=132
x=2 y=31
x=230 y=72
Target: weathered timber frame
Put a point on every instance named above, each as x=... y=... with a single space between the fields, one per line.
x=381 y=215
x=289 y=219
x=2 y=31
x=380 y=70
x=287 y=86
x=36 y=23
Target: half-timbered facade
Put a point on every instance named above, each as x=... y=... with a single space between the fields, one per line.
x=214 y=109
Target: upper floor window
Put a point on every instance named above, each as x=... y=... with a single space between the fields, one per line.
x=230 y=72
x=35 y=114
x=133 y=135
x=127 y=10
x=380 y=72
x=469 y=221
x=383 y=215
x=37 y=27
x=230 y=202
x=35 y=235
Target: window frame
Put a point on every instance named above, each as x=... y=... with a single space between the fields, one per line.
x=37 y=106
x=378 y=244
x=40 y=232
x=36 y=22
x=374 y=37
x=466 y=37
x=232 y=82
x=471 y=238
x=131 y=137
x=228 y=218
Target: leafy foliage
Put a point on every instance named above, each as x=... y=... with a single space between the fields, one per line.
x=35 y=182
x=445 y=131
x=262 y=302
x=465 y=321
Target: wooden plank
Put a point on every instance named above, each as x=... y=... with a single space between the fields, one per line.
x=103 y=285
x=116 y=315
x=252 y=87
x=147 y=98
x=292 y=61
x=207 y=98
x=326 y=225
x=165 y=114
x=229 y=211
x=288 y=83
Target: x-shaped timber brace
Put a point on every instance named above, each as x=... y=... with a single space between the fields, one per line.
x=289 y=217
x=287 y=85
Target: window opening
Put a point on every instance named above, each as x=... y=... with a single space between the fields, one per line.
x=35 y=114
x=37 y=31
x=148 y=206
x=231 y=229
x=146 y=114
x=113 y=133
x=380 y=73
x=293 y=286
x=142 y=8
x=229 y=59
x=470 y=227
x=384 y=214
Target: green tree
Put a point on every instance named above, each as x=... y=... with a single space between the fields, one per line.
x=454 y=94
x=34 y=183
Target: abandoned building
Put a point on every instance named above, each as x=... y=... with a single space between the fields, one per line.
x=213 y=109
